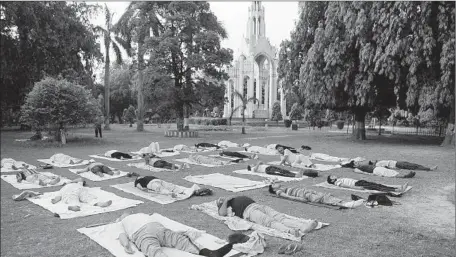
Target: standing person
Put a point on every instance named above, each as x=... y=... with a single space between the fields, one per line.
x=98 y=123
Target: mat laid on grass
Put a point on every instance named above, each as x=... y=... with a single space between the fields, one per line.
x=19 y=165
x=11 y=179
x=63 y=165
x=236 y=223
x=107 y=237
x=101 y=156
x=60 y=208
x=143 y=166
x=229 y=183
x=272 y=177
x=161 y=155
x=91 y=176
x=318 y=166
x=361 y=190
x=187 y=160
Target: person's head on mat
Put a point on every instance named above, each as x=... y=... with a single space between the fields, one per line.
x=280 y=149
x=273 y=188
x=331 y=179
x=220 y=201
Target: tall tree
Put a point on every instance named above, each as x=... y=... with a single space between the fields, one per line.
x=188 y=50
x=44 y=38
x=135 y=26
x=109 y=40
x=122 y=93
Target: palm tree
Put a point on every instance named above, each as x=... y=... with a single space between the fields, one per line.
x=243 y=106
x=110 y=40
x=136 y=25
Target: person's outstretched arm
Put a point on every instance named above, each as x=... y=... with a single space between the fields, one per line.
x=223 y=210
x=86 y=169
x=125 y=242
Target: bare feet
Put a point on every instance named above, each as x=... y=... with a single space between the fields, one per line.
x=411 y=174
x=103 y=204
x=74 y=208
x=300 y=174
x=434 y=167
x=311 y=226
x=255 y=156
x=55 y=181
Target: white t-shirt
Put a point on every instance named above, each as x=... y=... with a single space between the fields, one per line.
x=108 y=153
x=227 y=144
x=134 y=222
x=345 y=182
x=180 y=147
x=291 y=156
x=271 y=146
x=387 y=164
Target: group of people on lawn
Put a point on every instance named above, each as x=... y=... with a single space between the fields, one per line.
x=149 y=237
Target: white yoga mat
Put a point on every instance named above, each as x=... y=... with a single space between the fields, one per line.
x=135 y=158
x=200 y=150
x=143 y=166
x=161 y=155
x=268 y=154
x=152 y=196
x=90 y=176
x=118 y=203
x=227 y=157
x=318 y=166
x=331 y=186
x=236 y=223
x=107 y=237
x=229 y=183
x=11 y=179
x=272 y=177
x=186 y=160
x=4 y=169
x=61 y=165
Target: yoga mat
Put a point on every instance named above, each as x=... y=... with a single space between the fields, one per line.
x=11 y=179
x=118 y=203
x=19 y=166
x=161 y=155
x=61 y=165
x=331 y=186
x=318 y=166
x=107 y=237
x=91 y=176
x=135 y=158
x=272 y=177
x=229 y=183
x=186 y=160
x=143 y=166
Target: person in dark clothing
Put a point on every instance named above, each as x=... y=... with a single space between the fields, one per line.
x=206 y=145
x=292 y=149
x=401 y=165
x=98 y=122
x=353 y=183
x=279 y=171
x=99 y=169
x=382 y=171
x=118 y=155
x=156 y=162
x=246 y=208
x=238 y=155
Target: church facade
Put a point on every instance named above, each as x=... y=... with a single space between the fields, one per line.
x=254 y=71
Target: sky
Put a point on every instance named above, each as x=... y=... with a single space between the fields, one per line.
x=280 y=19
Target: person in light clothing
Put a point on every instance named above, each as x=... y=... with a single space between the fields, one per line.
x=149 y=237
x=156 y=162
x=201 y=159
x=35 y=177
x=382 y=172
x=261 y=150
x=363 y=184
x=8 y=163
x=294 y=160
x=401 y=165
x=74 y=194
x=64 y=159
x=246 y=208
x=227 y=144
x=99 y=169
x=151 y=183
x=306 y=195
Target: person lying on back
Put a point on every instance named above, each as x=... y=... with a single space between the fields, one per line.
x=206 y=145
x=260 y=167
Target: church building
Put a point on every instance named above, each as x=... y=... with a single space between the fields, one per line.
x=254 y=71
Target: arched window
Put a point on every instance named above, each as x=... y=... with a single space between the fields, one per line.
x=246 y=81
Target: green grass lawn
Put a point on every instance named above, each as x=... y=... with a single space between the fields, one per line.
x=421 y=225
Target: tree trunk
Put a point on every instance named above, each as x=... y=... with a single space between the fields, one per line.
x=107 y=86
x=140 y=116
x=243 y=120
x=379 y=127
x=360 y=131
x=180 y=117
x=449 y=136
x=186 y=117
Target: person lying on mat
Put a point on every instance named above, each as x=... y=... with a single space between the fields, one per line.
x=64 y=159
x=12 y=164
x=363 y=184
x=276 y=146
x=225 y=143
x=35 y=177
x=151 y=183
x=206 y=145
x=238 y=155
x=306 y=195
x=260 y=150
x=149 y=237
x=99 y=169
x=74 y=194
x=401 y=165
x=201 y=159
x=382 y=172
x=260 y=167
x=156 y=162
x=118 y=155
x=246 y=208
x=294 y=160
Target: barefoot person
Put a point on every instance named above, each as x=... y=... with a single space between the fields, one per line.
x=294 y=160
x=401 y=165
x=206 y=145
x=238 y=155
x=246 y=208
x=201 y=159
x=261 y=150
x=156 y=162
x=99 y=169
x=64 y=159
x=382 y=172
x=149 y=237
x=363 y=184
x=306 y=195
x=35 y=177
x=74 y=194
x=260 y=167
x=151 y=183
x=118 y=155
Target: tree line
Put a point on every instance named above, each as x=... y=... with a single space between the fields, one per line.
x=366 y=57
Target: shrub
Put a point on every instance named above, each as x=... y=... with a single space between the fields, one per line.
x=208 y=121
x=54 y=104
x=287 y=123
x=276 y=112
x=340 y=124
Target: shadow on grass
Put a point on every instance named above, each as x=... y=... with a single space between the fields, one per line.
x=71 y=141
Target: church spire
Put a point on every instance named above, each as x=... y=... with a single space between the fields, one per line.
x=255 y=24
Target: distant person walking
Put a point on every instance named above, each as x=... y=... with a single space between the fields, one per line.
x=98 y=123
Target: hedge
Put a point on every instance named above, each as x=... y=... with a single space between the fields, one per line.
x=208 y=121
